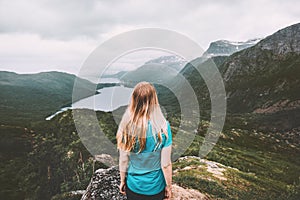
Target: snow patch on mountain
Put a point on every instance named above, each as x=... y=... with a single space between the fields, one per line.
x=226 y=48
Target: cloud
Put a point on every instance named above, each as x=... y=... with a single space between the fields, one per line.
x=202 y=20
x=76 y=18
x=29 y=53
x=69 y=30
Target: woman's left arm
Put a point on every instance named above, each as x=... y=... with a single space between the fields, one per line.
x=123 y=164
x=166 y=165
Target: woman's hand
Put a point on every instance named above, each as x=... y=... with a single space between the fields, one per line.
x=168 y=192
x=122 y=187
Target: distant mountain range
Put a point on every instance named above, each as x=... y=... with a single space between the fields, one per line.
x=261 y=78
x=151 y=72
x=217 y=48
x=117 y=75
x=173 y=61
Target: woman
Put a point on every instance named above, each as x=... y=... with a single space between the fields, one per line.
x=144 y=141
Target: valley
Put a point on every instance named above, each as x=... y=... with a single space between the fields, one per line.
x=255 y=157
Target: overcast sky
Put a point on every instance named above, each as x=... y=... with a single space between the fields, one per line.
x=44 y=35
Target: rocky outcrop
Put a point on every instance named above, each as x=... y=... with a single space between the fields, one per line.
x=216 y=169
x=104 y=185
x=180 y=193
x=284 y=41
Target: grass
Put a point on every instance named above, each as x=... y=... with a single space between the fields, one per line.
x=238 y=184
x=265 y=168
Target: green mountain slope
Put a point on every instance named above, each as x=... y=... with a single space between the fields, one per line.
x=266 y=74
x=263 y=79
x=29 y=97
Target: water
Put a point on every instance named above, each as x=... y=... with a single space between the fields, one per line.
x=109 y=99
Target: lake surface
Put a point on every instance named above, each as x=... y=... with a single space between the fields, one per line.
x=109 y=99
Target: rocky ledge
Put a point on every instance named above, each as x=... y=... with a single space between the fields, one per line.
x=104 y=185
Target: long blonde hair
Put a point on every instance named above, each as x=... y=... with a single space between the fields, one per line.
x=143 y=106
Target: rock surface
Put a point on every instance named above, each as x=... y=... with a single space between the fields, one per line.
x=180 y=193
x=215 y=168
x=104 y=185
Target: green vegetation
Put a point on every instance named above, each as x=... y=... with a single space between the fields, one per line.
x=267 y=167
x=54 y=161
x=28 y=98
x=50 y=160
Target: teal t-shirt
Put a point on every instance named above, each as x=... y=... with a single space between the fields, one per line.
x=145 y=175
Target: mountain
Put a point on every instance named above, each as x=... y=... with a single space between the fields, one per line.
x=265 y=78
x=28 y=97
x=159 y=70
x=260 y=77
x=173 y=61
x=151 y=72
x=116 y=75
x=189 y=75
x=226 y=48
x=142 y=73
x=218 y=48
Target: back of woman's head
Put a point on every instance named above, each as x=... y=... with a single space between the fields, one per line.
x=143 y=100
x=143 y=106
